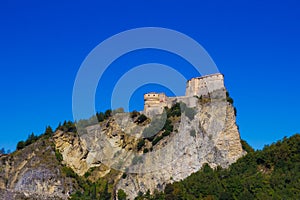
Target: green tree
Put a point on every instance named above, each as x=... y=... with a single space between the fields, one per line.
x=20 y=145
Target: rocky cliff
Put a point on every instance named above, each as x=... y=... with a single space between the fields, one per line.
x=130 y=151
x=34 y=173
x=206 y=133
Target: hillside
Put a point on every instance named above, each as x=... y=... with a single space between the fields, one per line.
x=271 y=173
x=177 y=148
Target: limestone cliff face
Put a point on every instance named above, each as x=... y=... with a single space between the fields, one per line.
x=209 y=136
x=33 y=173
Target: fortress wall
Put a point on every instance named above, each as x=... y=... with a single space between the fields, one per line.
x=189 y=101
x=154 y=103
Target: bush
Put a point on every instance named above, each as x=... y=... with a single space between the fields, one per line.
x=58 y=156
x=69 y=172
x=134 y=114
x=228 y=98
x=166 y=133
x=156 y=140
x=107 y=114
x=124 y=175
x=20 y=145
x=141 y=119
x=145 y=150
x=174 y=111
x=140 y=144
x=121 y=195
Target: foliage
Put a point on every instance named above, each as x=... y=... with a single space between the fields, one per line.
x=58 y=155
x=174 y=111
x=141 y=119
x=271 y=173
x=48 y=131
x=124 y=175
x=134 y=114
x=20 y=145
x=228 y=98
x=31 y=139
x=246 y=146
x=145 y=150
x=140 y=144
x=156 y=140
x=67 y=126
x=121 y=195
x=107 y=114
x=103 y=116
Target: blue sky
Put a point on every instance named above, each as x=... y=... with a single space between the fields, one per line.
x=254 y=44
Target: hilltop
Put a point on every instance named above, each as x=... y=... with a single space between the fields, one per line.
x=176 y=148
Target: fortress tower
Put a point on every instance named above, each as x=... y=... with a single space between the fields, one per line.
x=154 y=103
x=201 y=86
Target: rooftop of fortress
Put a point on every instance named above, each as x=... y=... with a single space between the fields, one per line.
x=154 y=103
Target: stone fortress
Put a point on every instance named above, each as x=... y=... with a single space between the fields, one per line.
x=154 y=103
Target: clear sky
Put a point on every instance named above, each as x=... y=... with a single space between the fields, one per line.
x=255 y=44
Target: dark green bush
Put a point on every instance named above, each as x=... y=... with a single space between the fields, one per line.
x=121 y=195
x=140 y=144
x=141 y=119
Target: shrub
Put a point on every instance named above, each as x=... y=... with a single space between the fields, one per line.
x=134 y=114
x=145 y=150
x=140 y=144
x=166 y=133
x=156 y=140
x=141 y=119
x=58 y=156
x=20 y=145
x=121 y=195
x=174 y=110
x=69 y=172
x=228 y=98
x=107 y=113
x=87 y=174
x=124 y=175
x=100 y=116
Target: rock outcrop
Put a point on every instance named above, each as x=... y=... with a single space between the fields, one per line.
x=208 y=135
x=33 y=173
x=134 y=152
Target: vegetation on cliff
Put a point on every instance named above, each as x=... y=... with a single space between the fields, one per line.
x=271 y=173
